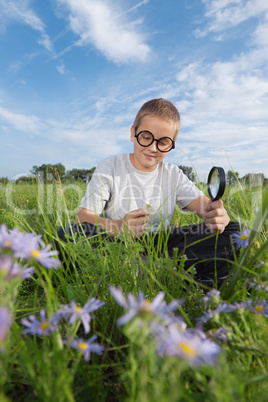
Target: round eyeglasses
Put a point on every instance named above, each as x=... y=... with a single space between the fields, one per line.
x=146 y=138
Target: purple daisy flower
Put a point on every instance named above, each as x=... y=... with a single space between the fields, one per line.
x=33 y=248
x=44 y=257
x=6 y=263
x=258 y=285
x=142 y=307
x=11 y=270
x=222 y=308
x=219 y=333
x=87 y=347
x=74 y=312
x=259 y=307
x=10 y=239
x=27 y=246
x=210 y=296
x=240 y=305
x=17 y=271
x=241 y=239
x=189 y=346
x=5 y=323
x=36 y=327
x=30 y=242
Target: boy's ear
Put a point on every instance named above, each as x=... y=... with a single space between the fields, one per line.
x=132 y=134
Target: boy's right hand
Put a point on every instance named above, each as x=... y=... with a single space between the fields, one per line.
x=135 y=221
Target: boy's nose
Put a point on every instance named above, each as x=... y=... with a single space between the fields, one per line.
x=153 y=147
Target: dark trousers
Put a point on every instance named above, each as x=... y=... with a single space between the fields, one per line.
x=209 y=254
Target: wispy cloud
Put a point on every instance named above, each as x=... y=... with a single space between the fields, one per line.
x=100 y=24
x=18 y=10
x=61 y=68
x=229 y=91
x=21 y=122
x=224 y=103
x=225 y=14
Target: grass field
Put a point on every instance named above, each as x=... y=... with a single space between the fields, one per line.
x=178 y=341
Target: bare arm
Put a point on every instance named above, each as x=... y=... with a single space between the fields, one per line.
x=213 y=213
x=134 y=221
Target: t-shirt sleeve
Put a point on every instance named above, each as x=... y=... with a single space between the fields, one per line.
x=186 y=191
x=98 y=190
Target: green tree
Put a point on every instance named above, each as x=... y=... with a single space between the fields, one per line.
x=188 y=171
x=231 y=177
x=47 y=172
x=83 y=175
x=4 y=180
x=254 y=179
x=26 y=179
x=58 y=171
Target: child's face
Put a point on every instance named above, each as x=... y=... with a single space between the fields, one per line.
x=147 y=158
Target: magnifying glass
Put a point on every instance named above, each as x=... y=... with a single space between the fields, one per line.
x=216 y=183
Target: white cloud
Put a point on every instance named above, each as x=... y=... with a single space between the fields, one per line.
x=225 y=14
x=18 y=10
x=260 y=36
x=97 y=23
x=225 y=103
x=17 y=65
x=61 y=68
x=28 y=124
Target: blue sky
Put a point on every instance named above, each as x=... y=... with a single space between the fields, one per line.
x=74 y=73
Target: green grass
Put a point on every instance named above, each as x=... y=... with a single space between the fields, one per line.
x=45 y=368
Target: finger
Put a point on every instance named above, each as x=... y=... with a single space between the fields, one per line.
x=143 y=220
x=215 y=213
x=217 y=220
x=135 y=221
x=141 y=230
x=215 y=228
x=216 y=204
x=207 y=208
x=139 y=212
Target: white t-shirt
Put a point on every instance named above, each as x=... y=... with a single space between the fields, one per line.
x=117 y=188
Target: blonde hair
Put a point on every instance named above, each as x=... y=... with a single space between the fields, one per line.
x=161 y=108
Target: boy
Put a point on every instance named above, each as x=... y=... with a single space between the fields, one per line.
x=138 y=192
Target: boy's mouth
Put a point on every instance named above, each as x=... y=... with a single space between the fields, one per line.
x=149 y=156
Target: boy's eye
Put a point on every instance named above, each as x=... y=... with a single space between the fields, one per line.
x=146 y=136
x=164 y=141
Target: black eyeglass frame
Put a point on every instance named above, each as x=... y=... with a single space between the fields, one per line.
x=154 y=139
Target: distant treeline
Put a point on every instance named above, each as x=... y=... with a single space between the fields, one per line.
x=48 y=173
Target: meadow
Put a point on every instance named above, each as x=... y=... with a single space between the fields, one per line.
x=110 y=325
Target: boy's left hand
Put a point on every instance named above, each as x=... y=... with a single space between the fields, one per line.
x=215 y=216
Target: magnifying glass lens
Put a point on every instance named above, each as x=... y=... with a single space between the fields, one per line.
x=216 y=183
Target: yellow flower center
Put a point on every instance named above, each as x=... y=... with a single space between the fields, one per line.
x=35 y=253
x=82 y=345
x=187 y=350
x=44 y=325
x=145 y=309
x=244 y=237
x=259 y=308
x=7 y=243
x=78 y=310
